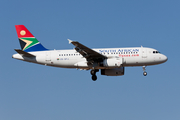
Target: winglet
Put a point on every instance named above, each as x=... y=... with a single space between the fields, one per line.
x=70 y=41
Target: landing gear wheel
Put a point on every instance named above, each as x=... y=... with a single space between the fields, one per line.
x=144 y=73
x=93 y=72
x=94 y=77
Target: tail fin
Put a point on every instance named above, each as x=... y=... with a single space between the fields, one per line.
x=27 y=41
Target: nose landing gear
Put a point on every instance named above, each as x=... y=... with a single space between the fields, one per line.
x=144 y=71
x=93 y=73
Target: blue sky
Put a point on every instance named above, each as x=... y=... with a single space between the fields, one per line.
x=33 y=92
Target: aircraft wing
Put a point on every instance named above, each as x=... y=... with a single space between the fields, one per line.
x=86 y=52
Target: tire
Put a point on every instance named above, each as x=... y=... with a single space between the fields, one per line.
x=144 y=73
x=94 y=77
x=93 y=72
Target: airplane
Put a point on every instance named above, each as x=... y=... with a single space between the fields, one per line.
x=111 y=61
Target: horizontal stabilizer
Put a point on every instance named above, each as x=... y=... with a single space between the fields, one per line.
x=23 y=53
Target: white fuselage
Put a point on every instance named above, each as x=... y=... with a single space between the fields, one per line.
x=116 y=57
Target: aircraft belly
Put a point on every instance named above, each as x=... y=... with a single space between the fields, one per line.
x=132 y=61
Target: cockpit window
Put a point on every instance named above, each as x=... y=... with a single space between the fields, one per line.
x=155 y=52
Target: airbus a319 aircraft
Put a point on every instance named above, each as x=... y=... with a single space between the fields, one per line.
x=111 y=61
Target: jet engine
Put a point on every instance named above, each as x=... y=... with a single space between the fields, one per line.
x=113 y=62
x=113 y=72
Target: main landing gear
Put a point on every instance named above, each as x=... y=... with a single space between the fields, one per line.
x=93 y=73
x=144 y=69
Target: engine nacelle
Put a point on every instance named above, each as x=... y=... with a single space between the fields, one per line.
x=113 y=72
x=113 y=62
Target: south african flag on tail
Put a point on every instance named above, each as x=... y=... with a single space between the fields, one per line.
x=27 y=41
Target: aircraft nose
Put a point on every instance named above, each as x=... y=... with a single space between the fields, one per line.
x=164 y=58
